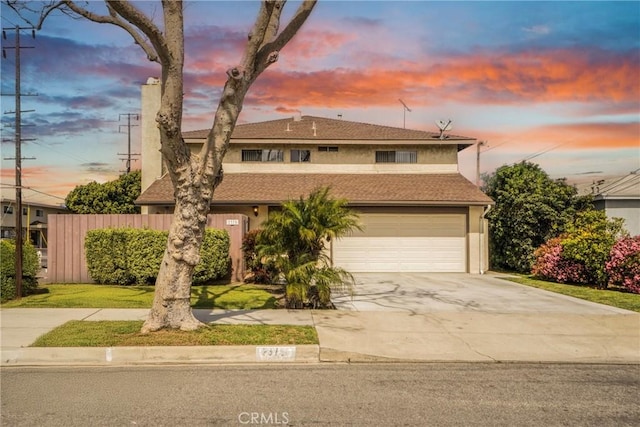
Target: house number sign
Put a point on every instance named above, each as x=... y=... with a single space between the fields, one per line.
x=276 y=354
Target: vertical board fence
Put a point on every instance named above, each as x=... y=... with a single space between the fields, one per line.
x=66 y=257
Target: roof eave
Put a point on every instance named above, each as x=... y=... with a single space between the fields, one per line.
x=351 y=203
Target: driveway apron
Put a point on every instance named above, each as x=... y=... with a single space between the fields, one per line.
x=462 y=317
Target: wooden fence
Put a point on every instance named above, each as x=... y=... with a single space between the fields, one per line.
x=66 y=256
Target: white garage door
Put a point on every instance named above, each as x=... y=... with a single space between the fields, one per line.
x=410 y=242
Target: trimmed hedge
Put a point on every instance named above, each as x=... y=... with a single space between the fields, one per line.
x=30 y=268
x=125 y=256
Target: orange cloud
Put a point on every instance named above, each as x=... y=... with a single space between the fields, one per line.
x=315 y=44
x=546 y=76
x=560 y=137
x=590 y=135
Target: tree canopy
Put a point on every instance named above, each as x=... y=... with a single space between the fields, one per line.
x=530 y=209
x=112 y=197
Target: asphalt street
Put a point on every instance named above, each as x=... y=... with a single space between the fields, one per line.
x=337 y=394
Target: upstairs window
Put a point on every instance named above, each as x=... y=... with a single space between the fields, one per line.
x=39 y=213
x=262 y=155
x=298 y=156
x=328 y=148
x=396 y=157
x=7 y=209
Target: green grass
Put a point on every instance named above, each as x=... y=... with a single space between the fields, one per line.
x=615 y=298
x=79 y=333
x=233 y=296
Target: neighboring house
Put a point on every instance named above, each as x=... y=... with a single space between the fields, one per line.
x=34 y=222
x=418 y=212
x=620 y=198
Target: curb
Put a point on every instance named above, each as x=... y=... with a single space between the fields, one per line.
x=118 y=356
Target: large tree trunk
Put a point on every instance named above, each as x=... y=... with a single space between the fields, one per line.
x=172 y=298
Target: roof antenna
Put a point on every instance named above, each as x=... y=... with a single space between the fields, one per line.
x=404 y=113
x=444 y=126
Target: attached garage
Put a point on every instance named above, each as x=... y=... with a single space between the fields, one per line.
x=412 y=222
x=417 y=242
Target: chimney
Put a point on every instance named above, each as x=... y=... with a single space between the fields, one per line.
x=151 y=159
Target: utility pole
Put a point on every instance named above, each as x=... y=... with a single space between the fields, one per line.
x=18 y=159
x=478 y=145
x=129 y=154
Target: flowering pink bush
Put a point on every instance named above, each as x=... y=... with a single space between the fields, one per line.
x=551 y=265
x=623 y=266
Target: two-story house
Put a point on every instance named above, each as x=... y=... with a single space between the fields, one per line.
x=419 y=214
x=34 y=222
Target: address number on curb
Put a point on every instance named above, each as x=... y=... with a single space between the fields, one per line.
x=276 y=354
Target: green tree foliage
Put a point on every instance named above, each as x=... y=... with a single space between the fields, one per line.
x=294 y=239
x=113 y=197
x=530 y=209
x=30 y=268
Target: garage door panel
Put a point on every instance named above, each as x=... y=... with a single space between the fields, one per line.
x=379 y=225
x=410 y=254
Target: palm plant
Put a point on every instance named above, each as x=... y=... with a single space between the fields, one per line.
x=295 y=239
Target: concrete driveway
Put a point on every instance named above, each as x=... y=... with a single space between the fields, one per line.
x=462 y=317
x=457 y=292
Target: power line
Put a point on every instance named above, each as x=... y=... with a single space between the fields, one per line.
x=540 y=153
x=34 y=190
x=12 y=24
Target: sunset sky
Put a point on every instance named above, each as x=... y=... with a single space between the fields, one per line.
x=554 y=82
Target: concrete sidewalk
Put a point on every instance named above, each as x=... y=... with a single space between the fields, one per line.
x=350 y=336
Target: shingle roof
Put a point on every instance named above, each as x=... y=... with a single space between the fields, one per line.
x=326 y=130
x=359 y=189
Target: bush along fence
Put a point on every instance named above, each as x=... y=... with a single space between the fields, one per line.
x=30 y=267
x=125 y=256
x=67 y=233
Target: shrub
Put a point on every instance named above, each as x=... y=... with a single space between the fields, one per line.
x=125 y=256
x=107 y=258
x=30 y=268
x=589 y=241
x=215 y=262
x=551 y=265
x=144 y=250
x=623 y=266
x=259 y=269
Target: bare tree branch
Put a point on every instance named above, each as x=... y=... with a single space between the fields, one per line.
x=269 y=52
x=139 y=20
x=44 y=12
x=274 y=22
x=299 y=18
x=114 y=19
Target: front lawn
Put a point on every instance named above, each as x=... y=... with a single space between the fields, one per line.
x=229 y=297
x=81 y=333
x=615 y=298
